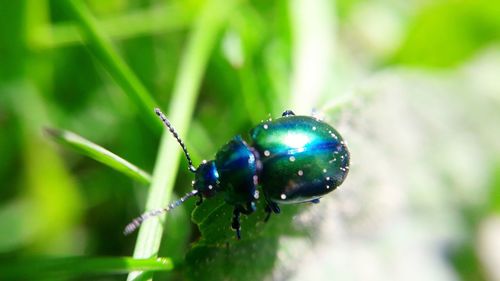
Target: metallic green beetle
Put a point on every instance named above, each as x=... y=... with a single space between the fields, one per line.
x=291 y=159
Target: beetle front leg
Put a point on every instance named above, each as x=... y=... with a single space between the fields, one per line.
x=268 y=213
x=235 y=224
x=287 y=113
x=271 y=207
x=274 y=206
x=238 y=210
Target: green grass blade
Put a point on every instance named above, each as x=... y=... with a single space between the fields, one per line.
x=157 y=19
x=56 y=268
x=99 y=154
x=200 y=44
x=314 y=28
x=102 y=48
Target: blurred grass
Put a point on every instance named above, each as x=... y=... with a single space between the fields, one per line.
x=72 y=267
x=102 y=48
x=447 y=33
x=154 y=20
x=200 y=44
x=219 y=70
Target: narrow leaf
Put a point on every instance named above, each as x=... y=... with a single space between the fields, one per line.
x=99 y=154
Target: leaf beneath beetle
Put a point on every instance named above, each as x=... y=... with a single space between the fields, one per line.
x=245 y=260
x=219 y=256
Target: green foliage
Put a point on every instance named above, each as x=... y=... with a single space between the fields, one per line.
x=220 y=67
x=493 y=205
x=183 y=100
x=465 y=257
x=72 y=267
x=98 y=153
x=446 y=33
x=248 y=260
x=107 y=55
x=219 y=255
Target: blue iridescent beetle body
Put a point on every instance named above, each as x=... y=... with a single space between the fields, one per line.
x=291 y=159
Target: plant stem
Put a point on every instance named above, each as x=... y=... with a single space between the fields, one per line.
x=193 y=63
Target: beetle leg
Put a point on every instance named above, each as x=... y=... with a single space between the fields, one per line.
x=315 y=201
x=268 y=212
x=271 y=207
x=236 y=222
x=198 y=203
x=274 y=207
x=287 y=113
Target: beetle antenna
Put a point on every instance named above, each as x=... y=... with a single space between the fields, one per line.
x=176 y=136
x=135 y=223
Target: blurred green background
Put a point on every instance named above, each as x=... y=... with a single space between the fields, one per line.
x=413 y=86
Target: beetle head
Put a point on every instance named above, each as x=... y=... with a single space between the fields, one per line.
x=206 y=180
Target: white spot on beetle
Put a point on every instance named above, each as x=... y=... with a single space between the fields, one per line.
x=327 y=187
x=256 y=194
x=210 y=187
x=267 y=153
x=292 y=158
x=328 y=178
x=204 y=161
x=324 y=170
x=283 y=196
x=251 y=159
x=265 y=126
x=314 y=128
x=300 y=172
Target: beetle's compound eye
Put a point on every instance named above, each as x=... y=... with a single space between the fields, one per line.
x=207 y=179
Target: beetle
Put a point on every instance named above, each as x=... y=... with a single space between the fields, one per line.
x=292 y=159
